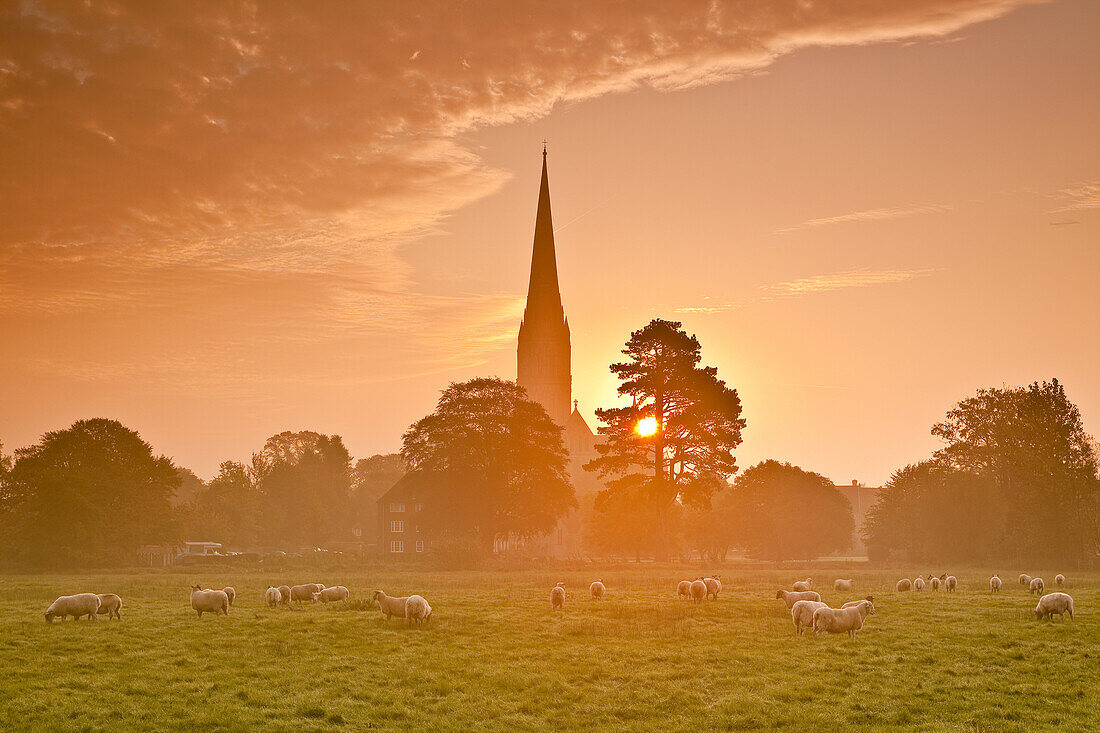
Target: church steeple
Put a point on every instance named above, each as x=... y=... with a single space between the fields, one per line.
x=543 y=356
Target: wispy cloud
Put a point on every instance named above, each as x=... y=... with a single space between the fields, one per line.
x=1079 y=198
x=869 y=215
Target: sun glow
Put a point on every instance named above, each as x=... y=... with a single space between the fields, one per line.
x=646 y=427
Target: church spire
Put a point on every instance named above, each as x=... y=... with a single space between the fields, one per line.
x=543 y=357
x=542 y=290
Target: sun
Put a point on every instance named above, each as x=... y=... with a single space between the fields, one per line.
x=646 y=427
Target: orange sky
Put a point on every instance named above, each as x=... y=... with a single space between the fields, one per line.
x=220 y=221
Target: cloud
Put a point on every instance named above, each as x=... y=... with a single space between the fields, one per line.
x=868 y=215
x=1081 y=197
x=838 y=281
x=260 y=164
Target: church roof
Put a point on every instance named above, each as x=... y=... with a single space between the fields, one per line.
x=577 y=424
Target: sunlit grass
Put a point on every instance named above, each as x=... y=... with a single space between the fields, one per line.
x=496 y=657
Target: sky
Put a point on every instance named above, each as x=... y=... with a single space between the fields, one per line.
x=222 y=220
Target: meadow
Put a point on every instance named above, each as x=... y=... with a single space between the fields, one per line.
x=496 y=657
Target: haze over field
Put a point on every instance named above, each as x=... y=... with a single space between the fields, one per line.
x=219 y=224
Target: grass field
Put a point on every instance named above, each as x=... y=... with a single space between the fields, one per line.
x=495 y=657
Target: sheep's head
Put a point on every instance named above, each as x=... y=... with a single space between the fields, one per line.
x=376 y=595
x=1038 y=613
x=195 y=588
x=870 y=598
x=49 y=617
x=779 y=593
x=316 y=596
x=870 y=608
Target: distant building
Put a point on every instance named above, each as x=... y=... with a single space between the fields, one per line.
x=399 y=513
x=862 y=498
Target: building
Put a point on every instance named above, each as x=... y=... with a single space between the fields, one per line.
x=399 y=511
x=862 y=499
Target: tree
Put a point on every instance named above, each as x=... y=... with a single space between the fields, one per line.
x=305 y=480
x=228 y=509
x=501 y=459
x=696 y=422
x=784 y=512
x=1031 y=443
x=90 y=494
x=190 y=486
x=370 y=478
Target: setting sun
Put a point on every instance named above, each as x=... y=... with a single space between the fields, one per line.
x=646 y=427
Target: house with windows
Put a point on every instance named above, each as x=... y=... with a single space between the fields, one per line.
x=400 y=511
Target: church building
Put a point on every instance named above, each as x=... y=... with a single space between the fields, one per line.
x=544 y=369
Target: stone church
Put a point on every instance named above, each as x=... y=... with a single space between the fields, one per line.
x=544 y=369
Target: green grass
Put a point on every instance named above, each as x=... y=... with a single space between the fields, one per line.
x=495 y=657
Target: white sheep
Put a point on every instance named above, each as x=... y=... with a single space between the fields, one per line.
x=714 y=585
x=273 y=596
x=792 y=597
x=389 y=605
x=841 y=584
x=557 y=596
x=683 y=589
x=804 y=585
x=230 y=593
x=332 y=593
x=1054 y=603
x=837 y=620
x=918 y=583
x=951 y=583
x=112 y=604
x=82 y=604
x=211 y=601
x=304 y=592
x=417 y=611
x=698 y=591
x=1025 y=580
x=1036 y=586
x=903 y=585
x=994 y=584
x=598 y=589
x=802 y=615
x=1059 y=580
x=935 y=583
x=284 y=591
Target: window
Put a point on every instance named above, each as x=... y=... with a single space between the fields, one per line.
x=396 y=507
x=397 y=546
x=397 y=526
x=420 y=545
x=419 y=507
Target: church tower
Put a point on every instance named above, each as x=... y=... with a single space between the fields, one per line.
x=543 y=353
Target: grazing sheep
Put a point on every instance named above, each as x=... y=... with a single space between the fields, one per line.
x=918 y=583
x=804 y=585
x=284 y=591
x=934 y=583
x=844 y=585
x=417 y=610
x=903 y=585
x=1054 y=603
x=1059 y=580
x=802 y=615
x=849 y=604
x=304 y=592
x=230 y=592
x=557 y=596
x=112 y=604
x=792 y=597
x=698 y=590
x=332 y=593
x=837 y=620
x=316 y=587
x=389 y=605
x=273 y=596
x=995 y=584
x=1036 y=586
x=683 y=589
x=82 y=604
x=1025 y=580
x=713 y=586
x=598 y=589
x=211 y=601
x=950 y=584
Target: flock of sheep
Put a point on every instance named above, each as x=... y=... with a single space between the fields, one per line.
x=809 y=612
x=414 y=609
